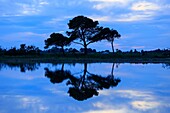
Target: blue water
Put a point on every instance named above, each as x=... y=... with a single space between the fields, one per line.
x=100 y=88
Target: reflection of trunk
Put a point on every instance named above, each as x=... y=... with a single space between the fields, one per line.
x=84 y=75
x=112 y=70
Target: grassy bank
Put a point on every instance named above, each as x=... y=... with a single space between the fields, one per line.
x=91 y=58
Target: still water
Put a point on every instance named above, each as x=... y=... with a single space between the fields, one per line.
x=85 y=88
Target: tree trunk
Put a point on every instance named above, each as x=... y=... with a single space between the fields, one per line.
x=85 y=48
x=84 y=75
x=112 y=70
x=112 y=47
x=63 y=50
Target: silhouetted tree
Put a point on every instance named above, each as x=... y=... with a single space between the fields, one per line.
x=22 y=50
x=110 y=35
x=85 y=30
x=57 y=39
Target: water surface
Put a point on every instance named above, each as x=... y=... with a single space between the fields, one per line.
x=84 y=88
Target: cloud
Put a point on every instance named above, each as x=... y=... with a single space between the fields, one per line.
x=27 y=9
x=142 y=101
x=135 y=16
x=129 y=10
x=56 y=20
x=127 y=17
x=30 y=34
x=145 y=6
x=131 y=94
x=23 y=102
x=145 y=105
x=109 y=108
x=138 y=47
x=101 y=18
x=104 y=4
x=22 y=8
x=123 y=110
x=120 y=2
x=140 y=11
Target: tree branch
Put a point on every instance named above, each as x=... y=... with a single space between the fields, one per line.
x=90 y=42
x=78 y=43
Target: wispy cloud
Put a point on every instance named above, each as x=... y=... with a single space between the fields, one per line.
x=145 y=105
x=136 y=16
x=22 y=8
x=145 y=6
x=138 y=47
x=102 y=4
x=135 y=10
x=107 y=6
x=101 y=18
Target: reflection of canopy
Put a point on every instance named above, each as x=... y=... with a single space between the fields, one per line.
x=104 y=82
x=23 y=66
x=82 y=94
x=82 y=87
x=58 y=76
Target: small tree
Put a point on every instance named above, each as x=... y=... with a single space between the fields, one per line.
x=57 y=39
x=22 y=49
x=85 y=30
x=109 y=35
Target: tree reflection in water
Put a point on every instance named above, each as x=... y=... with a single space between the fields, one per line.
x=86 y=85
x=166 y=65
x=23 y=66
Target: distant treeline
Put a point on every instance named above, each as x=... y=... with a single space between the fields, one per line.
x=25 y=50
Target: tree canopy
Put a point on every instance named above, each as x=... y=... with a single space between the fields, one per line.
x=57 y=39
x=110 y=35
x=85 y=30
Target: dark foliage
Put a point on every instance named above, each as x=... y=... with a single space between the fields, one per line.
x=23 y=66
x=84 y=30
x=23 y=50
x=83 y=87
x=110 y=35
x=57 y=39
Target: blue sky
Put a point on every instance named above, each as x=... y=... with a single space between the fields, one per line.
x=143 y=24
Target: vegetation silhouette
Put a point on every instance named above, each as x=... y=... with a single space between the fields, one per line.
x=57 y=39
x=57 y=76
x=166 y=65
x=85 y=86
x=22 y=51
x=23 y=66
x=110 y=35
x=85 y=30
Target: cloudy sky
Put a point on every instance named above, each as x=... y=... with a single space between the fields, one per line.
x=143 y=24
